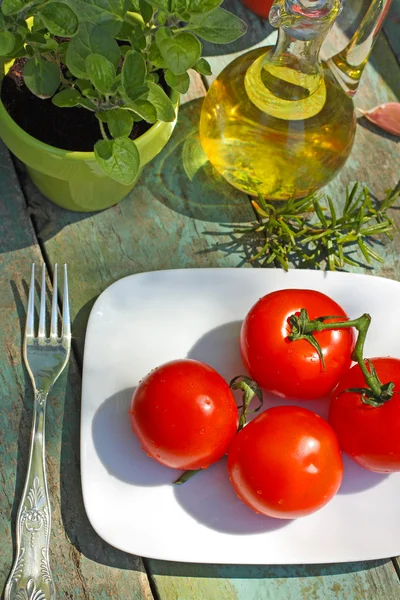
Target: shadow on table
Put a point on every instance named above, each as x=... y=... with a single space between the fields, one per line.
x=182 y=178
x=198 y=571
x=363 y=122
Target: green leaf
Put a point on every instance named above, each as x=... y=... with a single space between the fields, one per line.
x=155 y=56
x=86 y=103
x=146 y=10
x=180 y=83
x=186 y=6
x=59 y=19
x=119 y=159
x=120 y=122
x=125 y=33
x=83 y=85
x=90 y=39
x=12 y=7
x=68 y=97
x=108 y=14
x=138 y=38
x=145 y=110
x=41 y=77
x=180 y=52
x=134 y=18
x=203 y=67
x=7 y=42
x=162 y=18
x=163 y=105
x=133 y=74
x=218 y=26
x=101 y=72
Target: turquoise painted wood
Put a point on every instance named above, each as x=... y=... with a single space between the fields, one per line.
x=178 y=216
x=83 y=565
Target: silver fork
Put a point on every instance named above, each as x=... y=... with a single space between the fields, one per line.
x=45 y=358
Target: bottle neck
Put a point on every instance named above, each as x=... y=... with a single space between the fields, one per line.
x=348 y=65
x=300 y=55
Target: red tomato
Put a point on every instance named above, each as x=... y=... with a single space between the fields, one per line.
x=294 y=369
x=370 y=435
x=286 y=463
x=184 y=415
x=259 y=7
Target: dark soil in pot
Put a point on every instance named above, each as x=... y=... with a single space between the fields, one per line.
x=75 y=129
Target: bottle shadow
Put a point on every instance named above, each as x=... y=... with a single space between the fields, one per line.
x=182 y=178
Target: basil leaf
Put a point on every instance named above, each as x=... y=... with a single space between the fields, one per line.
x=12 y=7
x=90 y=39
x=155 y=56
x=145 y=110
x=186 y=6
x=41 y=77
x=70 y=97
x=119 y=159
x=159 y=99
x=101 y=72
x=133 y=74
x=59 y=19
x=218 y=26
x=180 y=83
x=203 y=67
x=108 y=14
x=120 y=122
x=146 y=10
x=7 y=42
x=180 y=52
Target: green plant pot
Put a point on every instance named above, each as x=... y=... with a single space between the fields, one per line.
x=74 y=180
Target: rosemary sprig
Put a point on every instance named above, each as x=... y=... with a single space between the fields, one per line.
x=311 y=231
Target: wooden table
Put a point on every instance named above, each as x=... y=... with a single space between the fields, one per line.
x=168 y=221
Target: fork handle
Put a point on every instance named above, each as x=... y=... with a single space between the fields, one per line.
x=31 y=577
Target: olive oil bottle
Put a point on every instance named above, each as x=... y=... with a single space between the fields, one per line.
x=278 y=121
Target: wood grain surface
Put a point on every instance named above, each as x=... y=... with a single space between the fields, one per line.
x=180 y=215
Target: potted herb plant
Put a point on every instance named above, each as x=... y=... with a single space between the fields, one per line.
x=91 y=88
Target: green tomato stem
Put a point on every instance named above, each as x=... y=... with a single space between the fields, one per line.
x=250 y=389
x=303 y=328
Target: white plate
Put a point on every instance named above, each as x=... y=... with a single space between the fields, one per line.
x=145 y=320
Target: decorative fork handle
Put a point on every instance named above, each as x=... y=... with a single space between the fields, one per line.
x=31 y=577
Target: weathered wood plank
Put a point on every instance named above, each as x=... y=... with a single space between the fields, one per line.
x=361 y=581
x=84 y=566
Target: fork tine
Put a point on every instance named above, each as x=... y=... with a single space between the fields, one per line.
x=42 y=317
x=29 y=330
x=66 y=327
x=54 y=307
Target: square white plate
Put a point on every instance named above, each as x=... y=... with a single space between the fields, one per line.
x=145 y=320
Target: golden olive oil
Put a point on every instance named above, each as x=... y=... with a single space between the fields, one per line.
x=276 y=128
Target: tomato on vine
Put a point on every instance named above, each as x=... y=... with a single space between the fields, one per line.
x=184 y=415
x=367 y=423
x=284 y=354
x=286 y=463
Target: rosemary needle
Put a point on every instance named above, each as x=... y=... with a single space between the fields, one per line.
x=311 y=231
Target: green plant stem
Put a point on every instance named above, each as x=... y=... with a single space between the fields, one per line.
x=302 y=328
x=103 y=131
x=250 y=390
